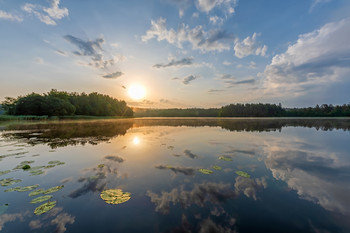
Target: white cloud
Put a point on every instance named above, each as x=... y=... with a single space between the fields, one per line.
x=216 y=20
x=9 y=16
x=181 y=4
x=208 y=5
x=47 y=15
x=249 y=46
x=315 y=59
x=205 y=41
x=317 y=2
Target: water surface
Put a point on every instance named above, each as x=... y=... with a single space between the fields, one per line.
x=299 y=175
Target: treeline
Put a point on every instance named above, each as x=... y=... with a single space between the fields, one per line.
x=61 y=103
x=250 y=110
x=177 y=112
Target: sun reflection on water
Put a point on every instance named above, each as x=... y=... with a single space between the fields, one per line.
x=136 y=140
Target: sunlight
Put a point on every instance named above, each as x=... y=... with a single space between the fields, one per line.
x=136 y=140
x=137 y=92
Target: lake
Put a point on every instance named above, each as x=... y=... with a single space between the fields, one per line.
x=176 y=175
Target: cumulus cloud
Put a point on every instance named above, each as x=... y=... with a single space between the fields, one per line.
x=316 y=58
x=113 y=75
x=216 y=20
x=187 y=61
x=5 y=218
x=208 y=5
x=9 y=16
x=93 y=50
x=214 y=193
x=47 y=15
x=249 y=187
x=189 y=79
x=61 y=221
x=181 y=4
x=188 y=171
x=213 y=40
x=249 y=46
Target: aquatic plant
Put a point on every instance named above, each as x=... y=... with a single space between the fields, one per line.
x=41 y=199
x=225 y=158
x=4 y=172
x=115 y=196
x=45 y=207
x=9 y=181
x=26 y=167
x=100 y=165
x=215 y=167
x=53 y=189
x=205 y=171
x=22 y=189
x=243 y=174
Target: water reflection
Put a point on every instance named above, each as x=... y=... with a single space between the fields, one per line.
x=299 y=175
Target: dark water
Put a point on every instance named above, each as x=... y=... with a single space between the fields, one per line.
x=299 y=175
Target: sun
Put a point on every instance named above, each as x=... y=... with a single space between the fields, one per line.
x=137 y=92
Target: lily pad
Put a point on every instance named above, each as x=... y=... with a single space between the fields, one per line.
x=50 y=166
x=217 y=167
x=9 y=181
x=41 y=199
x=205 y=171
x=22 y=189
x=44 y=207
x=115 y=196
x=26 y=167
x=36 y=172
x=243 y=174
x=3 y=208
x=100 y=165
x=225 y=158
x=4 y=172
x=27 y=162
x=53 y=189
x=56 y=162
x=36 y=192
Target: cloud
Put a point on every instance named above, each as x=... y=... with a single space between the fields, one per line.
x=114 y=158
x=39 y=60
x=214 y=193
x=199 y=39
x=47 y=15
x=188 y=61
x=189 y=154
x=60 y=52
x=9 y=16
x=317 y=2
x=188 y=171
x=246 y=81
x=113 y=75
x=249 y=186
x=216 y=20
x=5 y=218
x=181 y=4
x=249 y=46
x=61 y=221
x=94 y=51
x=315 y=59
x=215 y=90
x=208 y=5
x=189 y=79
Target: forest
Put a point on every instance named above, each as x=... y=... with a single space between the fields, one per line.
x=250 y=110
x=61 y=103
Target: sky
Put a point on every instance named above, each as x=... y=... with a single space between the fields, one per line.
x=185 y=53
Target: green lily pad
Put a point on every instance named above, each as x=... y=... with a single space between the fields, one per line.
x=44 y=207
x=217 y=167
x=3 y=208
x=56 y=162
x=41 y=199
x=50 y=166
x=26 y=167
x=100 y=165
x=53 y=189
x=205 y=171
x=36 y=192
x=27 y=162
x=9 y=181
x=36 y=172
x=4 y=172
x=169 y=166
x=115 y=196
x=225 y=158
x=22 y=189
x=243 y=174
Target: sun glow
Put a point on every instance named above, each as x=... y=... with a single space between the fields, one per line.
x=136 y=140
x=137 y=92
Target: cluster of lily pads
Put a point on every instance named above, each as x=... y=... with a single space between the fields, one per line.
x=115 y=196
x=37 y=170
x=13 y=154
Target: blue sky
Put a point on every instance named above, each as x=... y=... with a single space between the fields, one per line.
x=186 y=53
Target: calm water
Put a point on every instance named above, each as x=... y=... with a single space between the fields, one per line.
x=299 y=175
